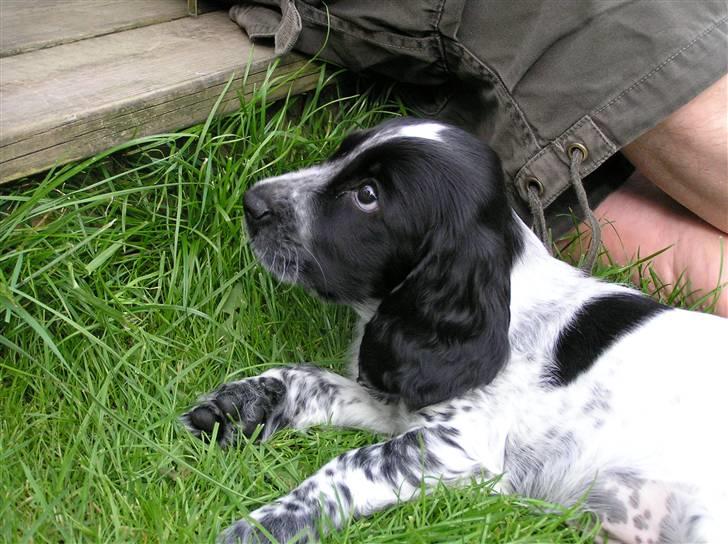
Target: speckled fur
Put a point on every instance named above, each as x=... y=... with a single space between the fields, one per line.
x=634 y=437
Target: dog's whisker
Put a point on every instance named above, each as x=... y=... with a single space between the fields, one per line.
x=318 y=264
x=284 y=261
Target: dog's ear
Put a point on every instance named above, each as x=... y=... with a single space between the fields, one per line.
x=444 y=330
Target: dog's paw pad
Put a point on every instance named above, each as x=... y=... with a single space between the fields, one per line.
x=235 y=408
x=204 y=419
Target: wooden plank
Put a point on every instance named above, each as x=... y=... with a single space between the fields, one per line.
x=74 y=100
x=135 y=125
x=26 y=25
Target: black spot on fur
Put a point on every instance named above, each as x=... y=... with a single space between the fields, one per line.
x=304 y=491
x=402 y=458
x=634 y=499
x=283 y=526
x=344 y=493
x=608 y=504
x=630 y=479
x=448 y=435
x=594 y=329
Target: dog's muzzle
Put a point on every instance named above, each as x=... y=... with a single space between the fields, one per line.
x=259 y=208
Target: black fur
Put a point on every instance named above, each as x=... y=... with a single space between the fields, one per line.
x=594 y=328
x=425 y=257
x=237 y=407
x=349 y=143
x=439 y=261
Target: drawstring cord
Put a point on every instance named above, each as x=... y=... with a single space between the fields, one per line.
x=577 y=154
x=539 y=218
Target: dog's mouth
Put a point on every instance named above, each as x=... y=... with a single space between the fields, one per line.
x=272 y=230
x=283 y=259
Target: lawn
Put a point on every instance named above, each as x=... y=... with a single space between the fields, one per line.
x=127 y=289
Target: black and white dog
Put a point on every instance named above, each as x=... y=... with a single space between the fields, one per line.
x=478 y=352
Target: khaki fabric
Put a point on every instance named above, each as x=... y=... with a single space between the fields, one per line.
x=530 y=77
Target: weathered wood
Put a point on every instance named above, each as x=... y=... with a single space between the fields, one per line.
x=71 y=101
x=26 y=25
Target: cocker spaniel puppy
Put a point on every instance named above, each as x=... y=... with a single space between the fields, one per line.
x=477 y=352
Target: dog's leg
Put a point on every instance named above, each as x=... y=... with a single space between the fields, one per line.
x=637 y=511
x=359 y=483
x=299 y=397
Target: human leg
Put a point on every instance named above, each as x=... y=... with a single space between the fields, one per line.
x=686 y=155
x=678 y=199
x=639 y=220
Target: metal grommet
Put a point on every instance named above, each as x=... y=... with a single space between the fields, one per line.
x=535 y=183
x=577 y=146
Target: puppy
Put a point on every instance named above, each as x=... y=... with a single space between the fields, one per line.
x=478 y=353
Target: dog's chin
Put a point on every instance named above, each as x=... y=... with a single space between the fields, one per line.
x=283 y=260
x=292 y=264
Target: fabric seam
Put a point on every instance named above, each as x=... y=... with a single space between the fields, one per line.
x=310 y=14
x=519 y=117
x=662 y=65
x=594 y=164
x=440 y=45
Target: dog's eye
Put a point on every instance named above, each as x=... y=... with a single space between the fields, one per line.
x=365 y=198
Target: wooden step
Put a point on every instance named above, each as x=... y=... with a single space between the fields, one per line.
x=28 y=25
x=69 y=101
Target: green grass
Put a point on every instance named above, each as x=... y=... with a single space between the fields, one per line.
x=126 y=290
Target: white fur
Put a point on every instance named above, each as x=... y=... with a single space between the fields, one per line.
x=666 y=380
x=635 y=437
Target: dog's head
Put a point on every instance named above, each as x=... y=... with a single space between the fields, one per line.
x=410 y=217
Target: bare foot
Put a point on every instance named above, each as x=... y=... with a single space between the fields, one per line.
x=686 y=156
x=639 y=219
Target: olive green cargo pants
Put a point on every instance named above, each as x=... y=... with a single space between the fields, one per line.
x=533 y=78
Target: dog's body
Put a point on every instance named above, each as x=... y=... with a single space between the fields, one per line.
x=477 y=351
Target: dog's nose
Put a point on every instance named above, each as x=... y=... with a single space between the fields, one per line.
x=257 y=205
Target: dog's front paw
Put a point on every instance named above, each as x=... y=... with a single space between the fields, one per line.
x=279 y=525
x=242 y=532
x=237 y=407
